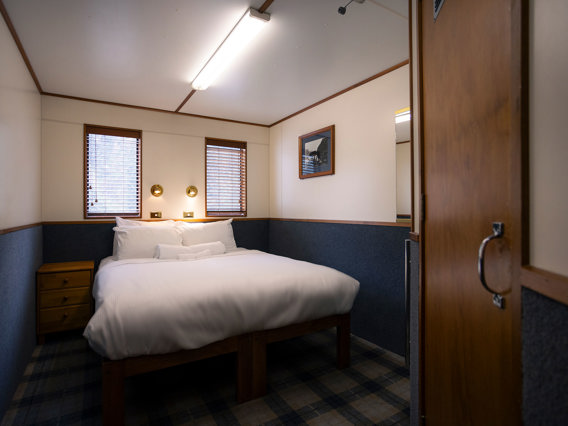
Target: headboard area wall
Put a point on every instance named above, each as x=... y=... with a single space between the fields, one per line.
x=68 y=241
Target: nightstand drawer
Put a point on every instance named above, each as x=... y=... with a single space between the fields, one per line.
x=65 y=318
x=62 y=280
x=58 y=298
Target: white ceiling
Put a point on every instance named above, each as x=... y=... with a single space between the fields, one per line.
x=146 y=52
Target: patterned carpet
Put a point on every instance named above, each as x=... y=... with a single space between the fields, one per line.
x=62 y=386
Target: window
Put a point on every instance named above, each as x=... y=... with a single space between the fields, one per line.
x=225 y=178
x=112 y=172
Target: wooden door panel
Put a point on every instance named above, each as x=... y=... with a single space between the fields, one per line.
x=466 y=100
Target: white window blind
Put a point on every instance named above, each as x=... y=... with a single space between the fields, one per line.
x=226 y=178
x=112 y=172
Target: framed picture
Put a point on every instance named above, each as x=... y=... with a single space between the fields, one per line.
x=316 y=153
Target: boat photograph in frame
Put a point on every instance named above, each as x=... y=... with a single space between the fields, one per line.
x=316 y=153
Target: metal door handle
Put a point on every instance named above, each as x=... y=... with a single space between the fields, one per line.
x=498 y=230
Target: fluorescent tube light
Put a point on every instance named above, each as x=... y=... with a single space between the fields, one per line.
x=402 y=115
x=246 y=29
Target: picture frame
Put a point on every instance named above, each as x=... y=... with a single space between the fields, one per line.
x=316 y=153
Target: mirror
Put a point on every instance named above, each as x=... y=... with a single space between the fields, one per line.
x=403 y=166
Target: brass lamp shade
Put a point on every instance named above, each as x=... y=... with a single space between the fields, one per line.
x=156 y=190
x=191 y=191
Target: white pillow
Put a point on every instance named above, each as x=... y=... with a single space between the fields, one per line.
x=194 y=256
x=140 y=241
x=198 y=233
x=167 y=251
x=127 y=222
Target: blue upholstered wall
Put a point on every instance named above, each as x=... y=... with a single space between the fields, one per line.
x=20 y=256
x=372 y=254
x=79 y=241
x=414 y=331
x=545 y=360
x=93 y=241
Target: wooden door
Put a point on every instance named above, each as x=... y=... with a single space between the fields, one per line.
x=471 y=160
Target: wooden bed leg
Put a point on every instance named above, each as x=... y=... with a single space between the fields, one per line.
x=251 y=367
x=113 y=393
x=344 y=342
x=258 y=366
x=244 y=368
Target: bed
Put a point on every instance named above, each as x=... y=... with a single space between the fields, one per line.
x=175 y=292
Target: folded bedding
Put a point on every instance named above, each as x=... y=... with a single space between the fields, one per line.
x=148 y=306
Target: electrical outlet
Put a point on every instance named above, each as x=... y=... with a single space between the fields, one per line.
x=156 y=215
x=187 y=214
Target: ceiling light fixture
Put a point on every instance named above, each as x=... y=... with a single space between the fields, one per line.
x=343 y=9
x=402 y=115
x=246 y=29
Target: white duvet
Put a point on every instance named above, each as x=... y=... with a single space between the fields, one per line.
x=151 y=306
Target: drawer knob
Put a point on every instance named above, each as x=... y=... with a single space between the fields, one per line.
x=65 y=281
x=65 y=298
x=65 y=315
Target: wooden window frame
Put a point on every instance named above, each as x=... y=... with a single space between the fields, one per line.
x=229 y=144
x=119 y=132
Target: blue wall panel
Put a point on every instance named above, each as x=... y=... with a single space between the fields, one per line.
x=93 y=241
x=545 y=360
x=251 y=234
x=372 y=254
x=81 y=241
x=20 y=257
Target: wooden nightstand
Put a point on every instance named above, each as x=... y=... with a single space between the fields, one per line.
x=64 y=300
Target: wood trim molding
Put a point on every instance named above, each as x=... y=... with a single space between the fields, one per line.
x=412 y=113
x=77 y=98
x=549 y=284
x=414 y=236
x=95 y=221
x=265 y=6
x=10 y=26
x=347 y=222
x=354 y=86
x=19 y=228
x=186 y=99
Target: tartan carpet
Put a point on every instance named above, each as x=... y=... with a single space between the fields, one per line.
x=62 y=386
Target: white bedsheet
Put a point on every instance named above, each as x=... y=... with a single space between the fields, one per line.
x=151 y=306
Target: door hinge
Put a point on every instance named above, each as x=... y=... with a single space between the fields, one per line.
x=423 y=420
x=422 y=207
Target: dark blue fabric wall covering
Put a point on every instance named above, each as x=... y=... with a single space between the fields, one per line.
x=545 y=360
x=77 y=241
x=372 y=254
x=414 y=331
x=93 y=241
x=251 y=234
x=20 y=257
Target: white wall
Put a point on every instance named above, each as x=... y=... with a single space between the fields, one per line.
x=548 y=135
x=403 y=179
x=173 y=155
x=20 y=143
x=364 y=184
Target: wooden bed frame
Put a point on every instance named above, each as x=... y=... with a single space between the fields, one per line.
x=251 y=361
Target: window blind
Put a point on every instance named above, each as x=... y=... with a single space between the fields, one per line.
x=112 y=172
x=226 y=178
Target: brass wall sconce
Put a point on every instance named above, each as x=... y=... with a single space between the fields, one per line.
x=191 y=191
x=156 y=190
